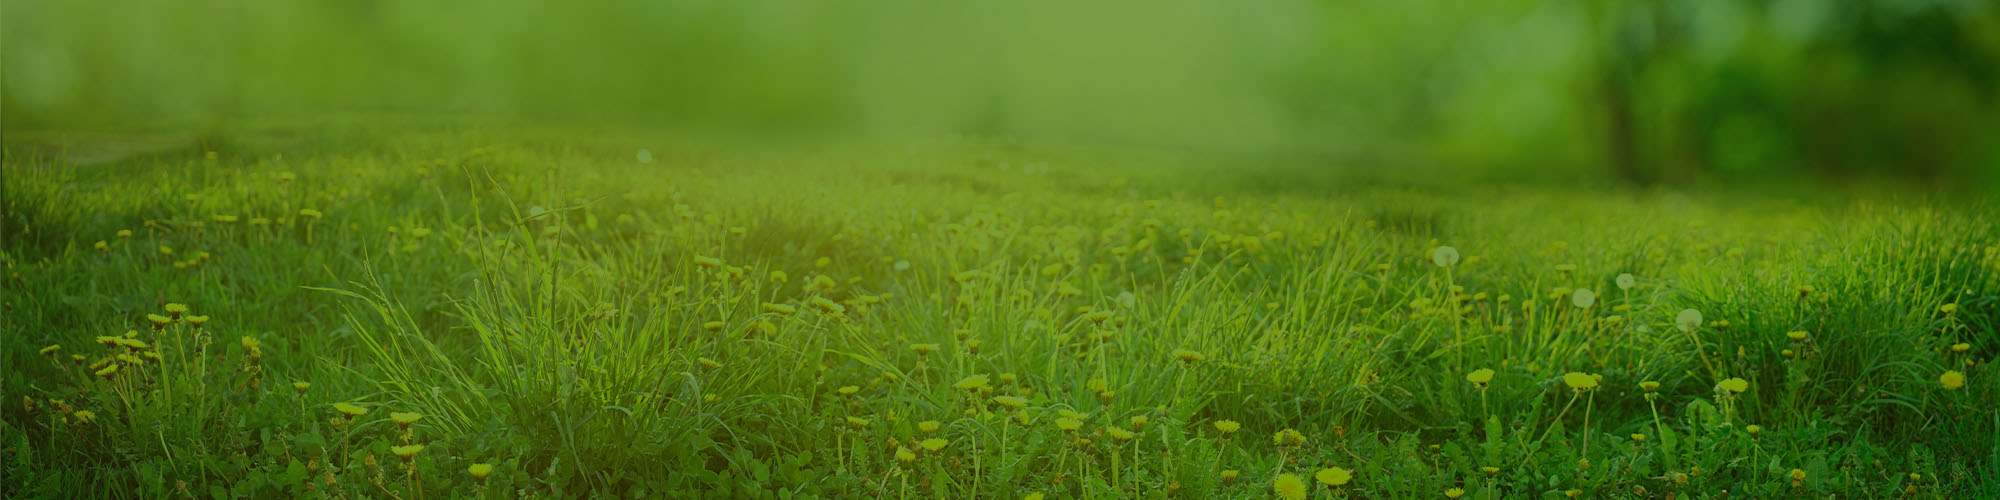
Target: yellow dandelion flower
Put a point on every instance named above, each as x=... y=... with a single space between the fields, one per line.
x=1454 y=493
x=1734 y=385
x=1230 y=474
x=1334 y=476
x=1227 y=426
x=971 y=383
x=1753 y=429
x=1650 y=386
x=85 y=416
x=784 y=309
x=904 y=455
x=1289 y=487
x=1288 y=436
x=1139 y=421
x=1068 y=424
x=1480 y=376
x=848 y=390
x=51 y=349
x=929 y=426
x=350 y=409
x=933 y=444
x=197 y=321
x=1961 y=347
x=708 y=364
x=1119 y=433
x=1799 y=336
x=1948 y=308
x=479 y=471
x=829 y=305
x=250 y=343
x=158 y=320
x=1952 y=380
x=857 y=422
x=1187 y=355
x=1798 y=474
x=176 y=309
x=406 y=452
x=405 y=418
x=301 y=386
x=1580 y=381
x=108 y=370
x=1014 y=402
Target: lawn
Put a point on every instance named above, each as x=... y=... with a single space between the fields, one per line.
x=476 y=312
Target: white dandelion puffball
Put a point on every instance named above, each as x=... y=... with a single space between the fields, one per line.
x=1688 y=320
x=1626 y=281
x=1583 y=298
x=1445 y=256
x=645 y=156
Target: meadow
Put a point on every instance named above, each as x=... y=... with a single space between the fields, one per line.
x=465 y=312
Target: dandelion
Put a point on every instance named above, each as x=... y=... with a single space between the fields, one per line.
x=1288 y=436
x=1638 y=438
x=1961 y=347
x=1798 y=475
x=856 y=422
x=1139 y=421
x=196 y=321
x=929 y=426
x=1230 y=474
x=849 y=390
x=1626 y=281
x=1289 y=487
x=1068 y=423
x=1334 y=476
x=51 y=350
x=933 y=444
x=479 y=471
x=1188 y=356
x=1579 y=381
x=1480 y=377
x=1013 y=402
x=176 y=309
x=1454 y=493
x=1650 y=386
x=971 y=383
x=1952 y=380
x=1753 y=429
x=783 y=309
x=124 y=233
x=407 y=452
x=108 y=370
x=1734 y=385
x=905 y=456
x=301 y=386
x=1799 y=336
x=1948 y=308
x=924 y=349
x=84 y=416
x=350 y=409
x=1444 y=256
x=1227 y=426
x=1119 y=433
x=708 y=364
x=405 y=418
x=1688 y=320
x=1583 y=298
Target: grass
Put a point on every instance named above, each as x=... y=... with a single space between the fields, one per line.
x=729 y=321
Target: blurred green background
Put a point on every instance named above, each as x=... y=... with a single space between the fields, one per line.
x=1642 y=91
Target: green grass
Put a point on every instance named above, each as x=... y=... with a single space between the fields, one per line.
x=554 y=318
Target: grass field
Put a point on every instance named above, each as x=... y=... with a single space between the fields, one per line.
x=459 y=312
